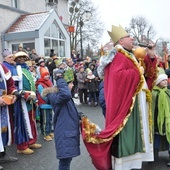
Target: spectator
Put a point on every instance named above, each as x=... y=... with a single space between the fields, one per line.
x=101 y=99
x=82 y=91
x=51 y=64
x=45 y=109
x=66 y=119
x=34 y=55
x=161 y=111
x=41 y=68
x=92 y=88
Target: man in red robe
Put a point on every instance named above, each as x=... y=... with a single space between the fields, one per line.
x=122 y=136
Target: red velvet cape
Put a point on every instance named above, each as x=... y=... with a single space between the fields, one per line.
x=150 y=71
x=121 y=81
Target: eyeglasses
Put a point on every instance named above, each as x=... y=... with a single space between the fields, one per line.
x=128 y=36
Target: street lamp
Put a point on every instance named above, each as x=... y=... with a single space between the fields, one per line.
x=86 y=15
x=81 y=15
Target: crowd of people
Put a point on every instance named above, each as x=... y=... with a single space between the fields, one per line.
x=133 y=94
x=25 y=77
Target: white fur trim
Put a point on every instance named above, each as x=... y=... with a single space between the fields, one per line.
x=104 y=61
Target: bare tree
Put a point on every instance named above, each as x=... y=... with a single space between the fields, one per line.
x=141 y=30
x=88 y=27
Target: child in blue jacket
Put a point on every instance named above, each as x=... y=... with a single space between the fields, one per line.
x=66 y=119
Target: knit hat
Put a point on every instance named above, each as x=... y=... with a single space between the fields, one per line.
x=45 y=74
x=160 y=78
x=6 y=53
x=59 y=62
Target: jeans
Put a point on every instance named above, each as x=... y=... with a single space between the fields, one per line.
x=46 y=121
x=92 y=95
x=64 y=164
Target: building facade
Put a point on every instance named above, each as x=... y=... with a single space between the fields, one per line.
x=40 y=25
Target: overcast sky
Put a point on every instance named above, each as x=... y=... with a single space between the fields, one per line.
x=157 y=12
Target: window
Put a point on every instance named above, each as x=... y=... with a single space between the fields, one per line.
x=54 y=31
x=26 y=46
x=52 y=2
x=54 y=39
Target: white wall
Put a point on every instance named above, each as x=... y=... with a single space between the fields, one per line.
x=62 y=10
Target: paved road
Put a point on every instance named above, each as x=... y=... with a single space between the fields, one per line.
x=45 y=158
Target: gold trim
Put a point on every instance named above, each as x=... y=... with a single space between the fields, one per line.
x=149 y=100
x=4 y=129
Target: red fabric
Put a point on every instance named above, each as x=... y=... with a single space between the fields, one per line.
x=43 y=70
x=120 y=81
x=10 y=82
x=150 y=69
x=44 y=83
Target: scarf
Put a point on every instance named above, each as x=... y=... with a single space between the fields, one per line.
x=44 y=83
x=163 y=112
x=11 y=67
x=23 y=65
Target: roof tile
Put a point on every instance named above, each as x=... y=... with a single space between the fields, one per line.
x=28 y=22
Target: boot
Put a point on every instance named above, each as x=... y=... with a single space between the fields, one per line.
x=48 y=138
x=35 y=146
x=156 y=154
x=52 y=135
x=168 y=164
x=26 y=151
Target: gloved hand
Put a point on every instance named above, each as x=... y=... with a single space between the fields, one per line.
x=81 y=115
x=58 y=73
x=19 y=94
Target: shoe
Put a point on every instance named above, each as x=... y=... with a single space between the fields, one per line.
x=27 y=151
x=89 y=104
x=48 y=138
x=35 y=146
x=1 y=168
x=52 y=135
x=95 y=104
x=8 y=159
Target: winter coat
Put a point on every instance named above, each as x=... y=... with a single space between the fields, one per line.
x=91 y=84
x=66 y=121
x=101 y=98
x=81 y=77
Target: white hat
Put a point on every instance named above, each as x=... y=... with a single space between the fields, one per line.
x=160 y=78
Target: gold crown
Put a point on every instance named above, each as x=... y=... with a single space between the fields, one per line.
x=117 y=33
